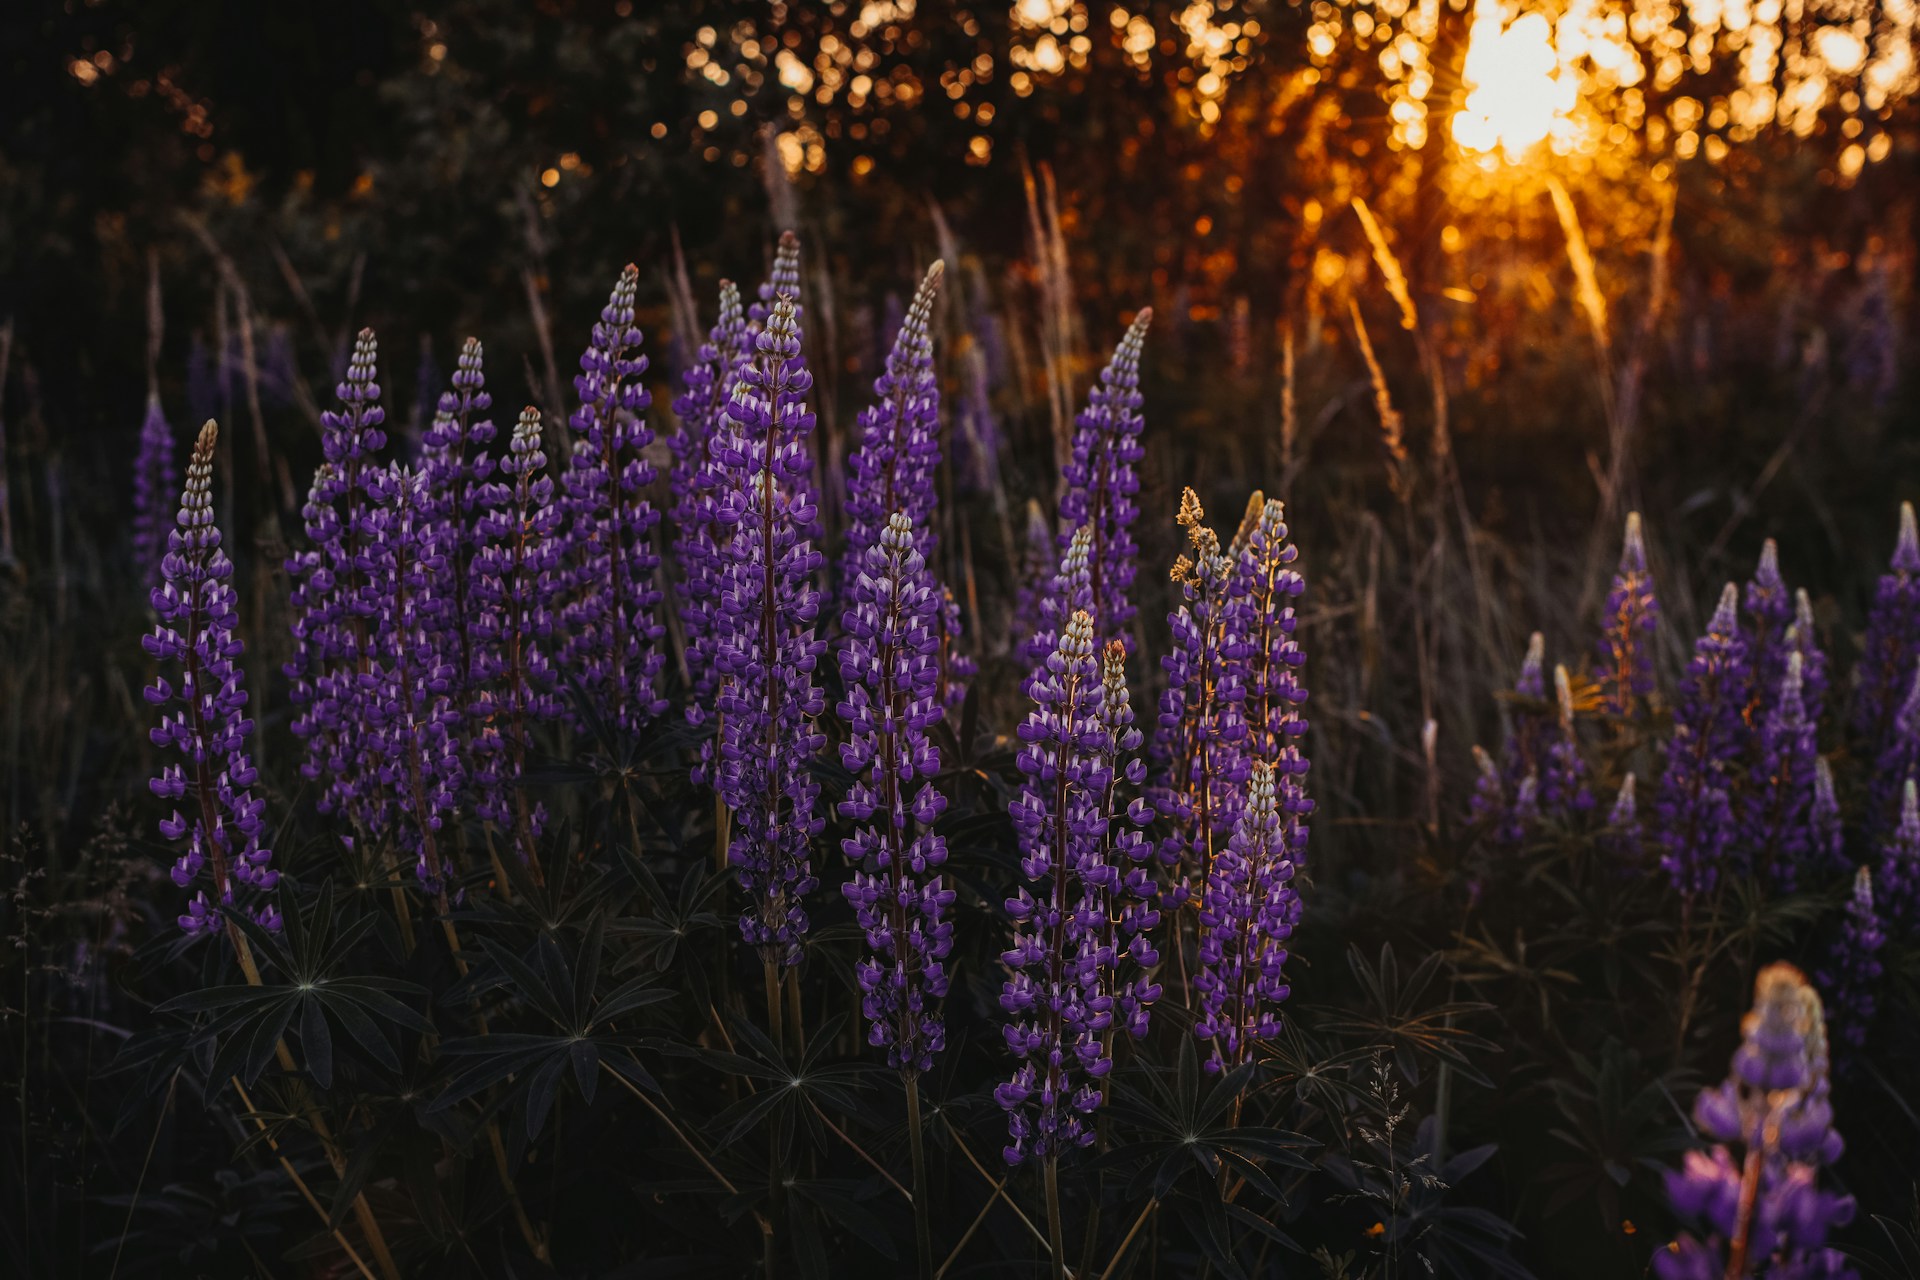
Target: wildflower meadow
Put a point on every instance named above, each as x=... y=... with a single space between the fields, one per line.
x=670 y=708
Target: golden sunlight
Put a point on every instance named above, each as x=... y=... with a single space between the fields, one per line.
x=1517 y=90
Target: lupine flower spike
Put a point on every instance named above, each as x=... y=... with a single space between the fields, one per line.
x=702 y=412
x=1898 y=879
x=1694 y=810
x=1829 y=837
x=1621 y=839
x=612 y=631
x=1803 y=636
x=335 y=595
x=1776 y=807
x=1899 y=758
x=1202 y=730
x=204 y=718
x=516 y=581
x=411 y=749
x=1247 y=913
x=1102 y=481
x=461 y=495
x=156 y=479
x=1062 y=989
x=1892 y=642
x=1263 y=624
x=1769 y=608
x=1852 y=976
x=1631 y=619
x=1752 y=1202
x=765 y=638
x=889 y=665
x=893 y=469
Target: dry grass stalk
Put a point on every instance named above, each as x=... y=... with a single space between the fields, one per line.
x=1390 y=272
x=1392 y=426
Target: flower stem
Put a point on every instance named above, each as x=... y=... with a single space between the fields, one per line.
x=922 y=1208
x=1055 y=1236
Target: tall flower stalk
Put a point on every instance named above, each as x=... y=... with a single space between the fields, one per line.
x=766 y=641
x=1247 y=913
x=1102 y=480
x=1776 y=808
x=892 y=469
x=1203 y=728
x=1082 y=913
x=1851 y=978
x=517 y=583
x=701 y=409
x=462 y=493
x=612 y=631
x=203 y=718
x=1695 y=805
x=1898 y=877
x=1892 y=642
x=335 y=594
x=890 y=665
x=1631 y=621
x=1753 y=1200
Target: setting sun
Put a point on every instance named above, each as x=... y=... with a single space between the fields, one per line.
x=1517 y=90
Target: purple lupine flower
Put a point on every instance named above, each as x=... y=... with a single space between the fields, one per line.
x=1851 y=979
x=1265 y=655
x=782 y=282
x=1695 y=808
x=1892 y=643
x=1033 y=595
x=1102 y=481
x=1564 y=790
x=702 y=410
x=1770 y=610
x=156 y=478
x=1621 y=838
x=204 y=719
x=462 y=494
x=1071 y=592
x=1247 y=912
x=1898 y=878
x=613 y=635
x=1775 y=810
x=1823 y=820
x=1526 y=741
x=1200 y=746
x=1082 y=851
x=1753 y=1199
x=1803 y=637
x=892 y=470
x=411 y=745
x=517 y=584
x=335 y=594
x=766 y=646
x=889 y=663
x=1631 y=620
x=1899 y=758
x=1487 y=805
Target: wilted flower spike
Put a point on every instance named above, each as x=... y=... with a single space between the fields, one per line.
x=217 y=820
x=1200 y=747
x=156 y=481
x=335 y=595
x=1898 y=878
x=1247 y=913
x=888 y=663
x=1694 y=812
x=765 y=640
x=1102 y=481
x=1851 y=979
x=701 y=410
x=1631 y=619
x=1085 y=904
x=1892 y=642
x=1753 y=1200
